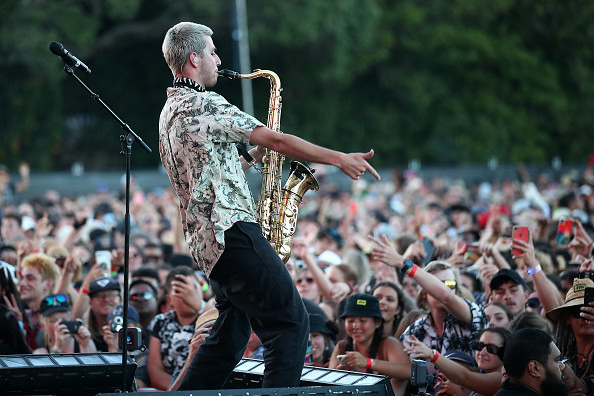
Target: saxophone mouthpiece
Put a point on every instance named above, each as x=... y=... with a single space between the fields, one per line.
x=230 y=74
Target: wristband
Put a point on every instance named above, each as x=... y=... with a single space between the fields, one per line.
x=369 y=363
x=413 y=270
x=532 y=271
x=84 y=291
x=435 y=356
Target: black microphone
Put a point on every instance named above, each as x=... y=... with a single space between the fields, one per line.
x=67 y=57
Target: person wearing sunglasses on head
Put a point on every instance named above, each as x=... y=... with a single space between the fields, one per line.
x=454 y=319
x=488 y=352
x=62 y=334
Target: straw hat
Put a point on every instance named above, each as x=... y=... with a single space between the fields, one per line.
x=574 y=298
x=208 y=316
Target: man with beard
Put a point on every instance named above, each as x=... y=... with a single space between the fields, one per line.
x=533 y=364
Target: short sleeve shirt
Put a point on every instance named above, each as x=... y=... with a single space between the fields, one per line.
x=198 y=132
x=457 y=335
x=174 y=340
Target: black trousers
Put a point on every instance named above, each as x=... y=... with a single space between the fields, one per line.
x=253 y=290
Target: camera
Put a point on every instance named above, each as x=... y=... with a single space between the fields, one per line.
x=117 y=322
x=419 y=377
x=133 y=339
x=72 y=325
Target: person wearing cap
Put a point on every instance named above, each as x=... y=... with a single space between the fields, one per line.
x=322 y=337
x=488 y=352
x=114 y=323
x=59 y=338
x=575 y=330
x=546 y=291
x=96 y=302
x=508 y=287
x=454 y=320
x=365 y=348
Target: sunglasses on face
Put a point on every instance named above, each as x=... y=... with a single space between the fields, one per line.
x=479 y=346
x=575 y=312
x=51 y=301
x=301 y=280
x=450 y=283
x=147 y=295
x=533 y=302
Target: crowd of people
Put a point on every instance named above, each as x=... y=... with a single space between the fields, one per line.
x=390 y=272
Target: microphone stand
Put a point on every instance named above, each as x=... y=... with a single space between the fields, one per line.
x=126 y=148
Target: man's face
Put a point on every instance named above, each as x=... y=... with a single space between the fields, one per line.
x=104 y=301
x=10 y=229
x=209 y=64
x=32 y=286
x=143 y=299
x=512 y=295
x=553 y=384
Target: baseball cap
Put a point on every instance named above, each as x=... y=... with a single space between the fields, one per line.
x=504 y=275
x=54 y=303
x=119 y=311
x=459 y=356
x=102 y=284
x=318 y=324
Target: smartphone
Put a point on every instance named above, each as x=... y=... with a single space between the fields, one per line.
x=519 y=234
x=308 y=356
x=564 y=231
x=71 y=325
x=429 y=249
x=339 y=358
x=588 y=295
x=103 y=257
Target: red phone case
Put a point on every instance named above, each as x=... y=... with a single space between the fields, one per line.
x=564 y=231
x=521 y=234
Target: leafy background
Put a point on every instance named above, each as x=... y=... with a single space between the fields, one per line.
x=445 y=82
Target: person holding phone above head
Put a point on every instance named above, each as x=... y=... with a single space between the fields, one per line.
x=198 y=133
x=366 y=348
x=63 y=335
x=547 y=292
x=453 y=320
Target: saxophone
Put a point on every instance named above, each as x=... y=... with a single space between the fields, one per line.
x=277 y=208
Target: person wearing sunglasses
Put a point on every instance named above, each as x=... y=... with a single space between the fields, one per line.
x=454 y=319
x=62 y=334
x=575 y=333
x=488 y=352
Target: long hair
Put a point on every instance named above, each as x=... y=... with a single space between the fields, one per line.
x=378 y=336
x=404 y=302
x=8 y=285
x=10 y=332
x=437 y=266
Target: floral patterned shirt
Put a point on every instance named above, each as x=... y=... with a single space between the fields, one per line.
x=174 y=340
x=197 y=136
x=457 y=335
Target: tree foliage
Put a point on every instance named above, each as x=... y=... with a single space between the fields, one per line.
x=454 y=82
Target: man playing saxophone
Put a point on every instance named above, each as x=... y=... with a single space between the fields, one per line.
x=198 y=131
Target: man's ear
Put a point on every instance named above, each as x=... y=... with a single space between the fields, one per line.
x=535 y=369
